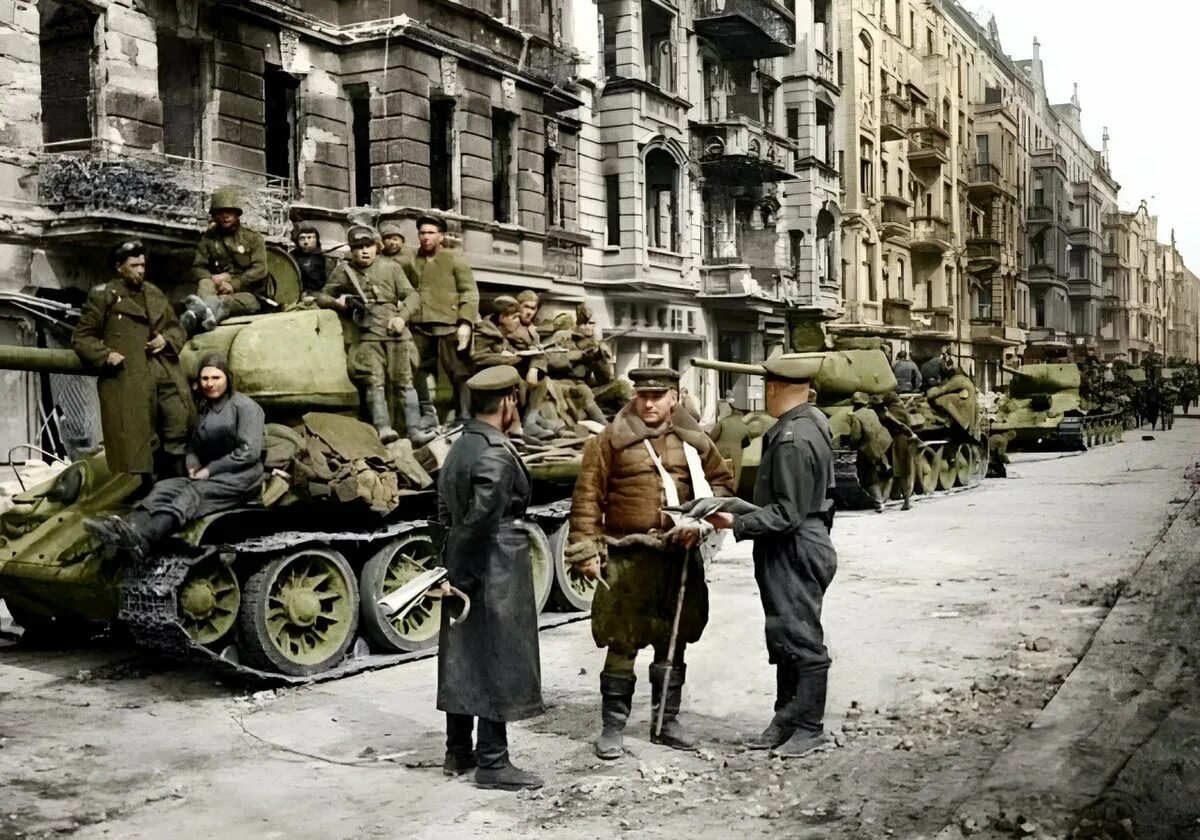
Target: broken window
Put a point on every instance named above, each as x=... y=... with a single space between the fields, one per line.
x=181 y=89
x=612 y=207
x=504 y=129
x=360 y=130
x=443 y=153
x=550 y=186
x=68 y=51
x=279 y=93
x=658 y=46
x=662 y=200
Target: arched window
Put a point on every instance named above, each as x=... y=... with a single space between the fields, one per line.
x=662 y=200
x=866 y=79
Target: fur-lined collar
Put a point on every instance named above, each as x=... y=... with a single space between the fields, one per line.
x=628 y=429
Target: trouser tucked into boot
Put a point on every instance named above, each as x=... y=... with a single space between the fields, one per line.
x=616 y=702
x=780 y=728
x=377 y=409
x=666 y=689
x=495 y=770
x=804 y=714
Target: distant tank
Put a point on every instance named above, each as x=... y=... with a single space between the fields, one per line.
x=285 y=592
x=952 y=451
x=1045 y=410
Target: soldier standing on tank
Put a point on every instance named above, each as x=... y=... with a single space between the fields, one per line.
x=652 y=455
x=230 y=267
x=130 y=333
x=449 y=309
x=794 y=560
x=488 y=664
x=393 y=243
x=376 y=302
x=309 y=257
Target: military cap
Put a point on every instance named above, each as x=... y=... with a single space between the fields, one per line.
x=860 y=398
x=361 y=235
x=390 y=229
x=793 y=367
x=495 y=378
x=527 y=296
x=437 y=221
x=506 y=305
x=225 y=198
x=654 y=379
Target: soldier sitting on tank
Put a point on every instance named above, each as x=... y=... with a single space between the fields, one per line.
x=309 y=257
x=873 y=442
x=224 y=468
x=933 y=371
x=500 y=340
x=376 y=301
x=230 y=267
x=129 y=332
x=570 y=367
x=908 y=375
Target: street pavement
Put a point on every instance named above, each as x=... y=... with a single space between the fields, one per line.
x=951 y=627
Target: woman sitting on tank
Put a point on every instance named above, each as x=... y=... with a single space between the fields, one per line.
x=224 y=467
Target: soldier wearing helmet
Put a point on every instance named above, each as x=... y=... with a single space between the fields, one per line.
x=230 y=266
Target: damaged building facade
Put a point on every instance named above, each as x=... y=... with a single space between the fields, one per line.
x=119 y=119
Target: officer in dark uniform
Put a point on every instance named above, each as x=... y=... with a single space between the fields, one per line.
x=488 y=664
x=794 y=560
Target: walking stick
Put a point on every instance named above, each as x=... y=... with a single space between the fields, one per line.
x=662 y=697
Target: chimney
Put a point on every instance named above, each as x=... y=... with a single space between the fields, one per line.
x=1037 y=49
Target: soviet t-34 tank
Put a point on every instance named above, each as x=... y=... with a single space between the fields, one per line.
x=1044 y=409
x=286 y=590
x=947 y=434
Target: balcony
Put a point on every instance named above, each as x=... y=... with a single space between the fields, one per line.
x=936 y=322
x=825 y=68
x=988 y=330
x=894 y=223
x=985 y=181
x=1083 y=287
x=984 y=253
x=897 y=312
x=928 y=148
x=93 y=189
x=735 y=277
x=1045 y=158
x=893 y=118
x=931 y=234
x=739 y=152
x=1048 y=336
x=747 y=28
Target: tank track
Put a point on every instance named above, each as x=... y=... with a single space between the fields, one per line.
x=149 y=604
x=1080 y=432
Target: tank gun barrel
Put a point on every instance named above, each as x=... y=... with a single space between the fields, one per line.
x=728 y=367
x=1012 y=370
x=43 y=360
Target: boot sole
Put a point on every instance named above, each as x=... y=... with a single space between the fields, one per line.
x=499 y=786
x=676 y=746
x=609 y=756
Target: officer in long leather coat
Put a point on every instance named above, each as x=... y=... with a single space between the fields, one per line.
x=488 y=664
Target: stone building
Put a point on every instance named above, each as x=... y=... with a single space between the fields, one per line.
x=1132 y=323
x=120 y=117
x=709 y=180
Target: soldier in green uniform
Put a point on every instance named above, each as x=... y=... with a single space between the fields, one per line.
x=498 y=341
x=794 y=560
x=130 y=333
x=376 y=302
x=230 y=267
x=904 y=445
x=652 y=455
x=873 y=442
x=393 y=246
x=449 y=309
x=573 y=363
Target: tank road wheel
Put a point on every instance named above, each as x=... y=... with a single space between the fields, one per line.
x=299 y=613
x=391 y=567
x=541 y=558
x=944 y=467
x=572 y=591
x=209 y=599
x=961 y=458
x=926 y=474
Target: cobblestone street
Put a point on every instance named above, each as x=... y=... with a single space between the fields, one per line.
x=952 y=626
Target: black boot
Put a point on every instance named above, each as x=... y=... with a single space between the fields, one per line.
x=412 y=419
x=495 y=771
x=805 y=712
x=195 y=314
x=377 y=409
x=780 y=728
x=460 y=748
x=105 y=531
x=673 y=734
x=616 y=701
